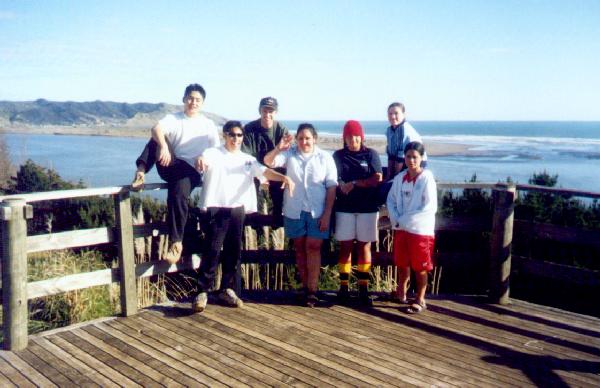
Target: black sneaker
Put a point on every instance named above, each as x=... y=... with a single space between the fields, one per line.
x=343 y=296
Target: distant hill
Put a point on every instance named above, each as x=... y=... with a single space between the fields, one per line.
x=87 y=114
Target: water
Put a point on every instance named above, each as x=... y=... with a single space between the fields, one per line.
x=503 y=149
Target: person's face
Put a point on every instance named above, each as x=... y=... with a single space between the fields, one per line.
x=267 y=115
x=192 y=103
x=413 y=160
x=234 y=139
x=306 y=141
x=353 y=142
x=395 y=116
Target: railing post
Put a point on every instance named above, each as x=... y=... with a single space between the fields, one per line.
x=504 y=197
x=14 y=213
x=124 y=224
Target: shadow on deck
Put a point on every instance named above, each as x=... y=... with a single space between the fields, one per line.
x=458 y=340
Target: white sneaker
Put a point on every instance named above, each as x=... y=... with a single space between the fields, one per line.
x=174 y=252
x=199 y=303
x=229 y=297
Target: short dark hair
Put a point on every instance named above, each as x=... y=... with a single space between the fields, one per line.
x=307 y=126
x=397 y=105
x=415 y=145
x=194 y=88
x=228 y=126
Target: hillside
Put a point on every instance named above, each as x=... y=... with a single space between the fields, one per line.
x=93 y=114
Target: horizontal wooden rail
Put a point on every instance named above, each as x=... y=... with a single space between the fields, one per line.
x=106 y=276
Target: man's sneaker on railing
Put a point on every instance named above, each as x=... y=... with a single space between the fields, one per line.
x=229 y=297
x=199 y=302
x=174 y=252
x=138 y=181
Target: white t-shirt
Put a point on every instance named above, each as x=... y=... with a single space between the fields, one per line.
x=229 y=179
x=189 y=136
x=412 y=204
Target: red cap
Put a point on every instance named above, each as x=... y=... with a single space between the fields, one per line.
x=353 y=128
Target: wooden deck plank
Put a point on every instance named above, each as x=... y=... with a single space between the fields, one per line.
x=324 y=346
x=13 y=375
x=149 y=375
x=144 y=363
x=99 y=369
x=14 y=359
x=266 y=361
x=65 y=357
x=197 y=357
x=457 y=341
x=165 y=333
x=416 y=345
x=167 y=354
x=304 y=365
x=517 y=334
x=312 y=355
x=104 y=355
x=514 y=364
x=542 y=367
x=385 y=354
x=66 y=369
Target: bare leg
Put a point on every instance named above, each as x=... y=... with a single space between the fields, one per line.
x=421 y=286
x=313 y=263
x=300 y=247
x=403 y=278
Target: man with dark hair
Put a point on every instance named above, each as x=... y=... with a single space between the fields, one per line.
x=177 y=143
x=260 y=137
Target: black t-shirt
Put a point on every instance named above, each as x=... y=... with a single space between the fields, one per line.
x=259 y=141
x=353 y=166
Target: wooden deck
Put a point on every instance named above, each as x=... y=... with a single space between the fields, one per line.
x=458 y=341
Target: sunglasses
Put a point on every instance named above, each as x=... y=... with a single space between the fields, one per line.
x=233 y=134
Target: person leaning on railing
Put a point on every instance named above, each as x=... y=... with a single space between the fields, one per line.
x=307 y=214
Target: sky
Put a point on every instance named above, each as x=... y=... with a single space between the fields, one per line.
x=323 y=60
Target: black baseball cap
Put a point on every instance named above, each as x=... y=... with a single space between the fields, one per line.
x=268 y=102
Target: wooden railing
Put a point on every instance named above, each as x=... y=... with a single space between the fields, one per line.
x=16 y=244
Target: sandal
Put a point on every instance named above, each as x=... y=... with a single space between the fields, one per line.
x=416 y=307
x=311 y=300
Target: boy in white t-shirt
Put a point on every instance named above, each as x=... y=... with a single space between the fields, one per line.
x=177 y=143
x=227 y=195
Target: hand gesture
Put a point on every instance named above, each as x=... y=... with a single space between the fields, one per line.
x=285 y=143
x=201 y=165
x=347 y=187
x=289 y=183
x=164 y=156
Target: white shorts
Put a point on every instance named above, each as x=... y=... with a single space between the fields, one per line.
x=359 y=226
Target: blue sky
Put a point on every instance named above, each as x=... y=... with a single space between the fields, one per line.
x=446 y=60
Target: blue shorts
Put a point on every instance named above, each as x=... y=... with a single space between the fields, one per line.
x=305 y=226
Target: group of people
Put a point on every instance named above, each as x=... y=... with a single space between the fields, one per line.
x=310 y=189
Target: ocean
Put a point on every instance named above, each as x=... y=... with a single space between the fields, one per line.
x=515 y=149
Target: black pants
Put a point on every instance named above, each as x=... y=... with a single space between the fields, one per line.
x=225 y=230
x=181 y=179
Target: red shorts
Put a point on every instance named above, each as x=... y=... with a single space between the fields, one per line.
x=413 y=250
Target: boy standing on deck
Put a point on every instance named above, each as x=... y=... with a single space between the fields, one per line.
x=260 y=137
x=177 y=143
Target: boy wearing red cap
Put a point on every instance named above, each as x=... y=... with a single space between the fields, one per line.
x=359 y=174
